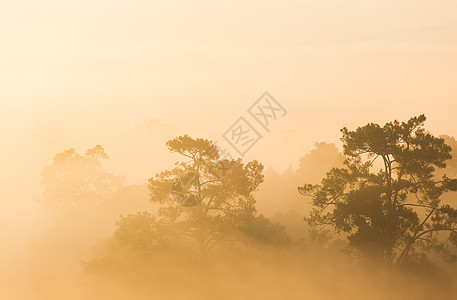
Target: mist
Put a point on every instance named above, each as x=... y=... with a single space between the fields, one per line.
x=125 y=174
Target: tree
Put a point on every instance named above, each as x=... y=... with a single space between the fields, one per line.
x=204 y=198
x=314 y=165
x=394 y=212
x=262 y=231
x=451 y=165
x=74 y=180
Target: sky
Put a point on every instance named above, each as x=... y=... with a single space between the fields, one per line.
x=74 y=74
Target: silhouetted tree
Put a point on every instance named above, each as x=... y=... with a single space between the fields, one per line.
x=451 y=165
x=204 y=197
x=397 y=210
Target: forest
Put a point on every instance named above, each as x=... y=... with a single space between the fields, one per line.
x=380 y=213
x=242 y=149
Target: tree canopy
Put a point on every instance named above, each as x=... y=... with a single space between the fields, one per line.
x=206 y=198
x=73 y=180
x=397 y=210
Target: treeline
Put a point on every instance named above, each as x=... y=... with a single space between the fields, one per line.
x=387 y=197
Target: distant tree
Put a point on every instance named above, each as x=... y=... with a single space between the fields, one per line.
x=262 y=231
x=324 y=156
x=278 y=192
x=293 y=224
x=394 y=212
x=204 y=197
x=73 y=180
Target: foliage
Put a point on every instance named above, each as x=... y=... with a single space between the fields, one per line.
x=396 y=211
x=204 y=198
x=140 y=232
x=74 y=180
x=263 y=231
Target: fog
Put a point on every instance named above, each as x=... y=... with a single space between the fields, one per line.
x=130 y=77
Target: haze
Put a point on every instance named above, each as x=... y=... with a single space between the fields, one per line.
x=130 y=76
